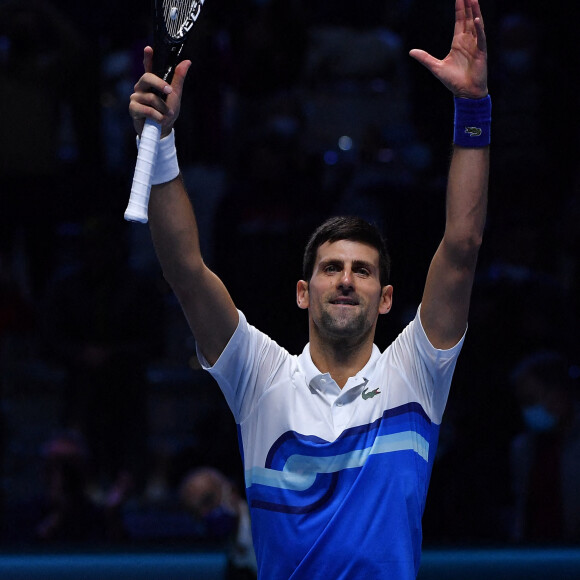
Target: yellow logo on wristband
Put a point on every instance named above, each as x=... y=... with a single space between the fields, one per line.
x=473 y=131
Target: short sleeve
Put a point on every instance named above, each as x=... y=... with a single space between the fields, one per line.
x=246 y=366
x=440 y=365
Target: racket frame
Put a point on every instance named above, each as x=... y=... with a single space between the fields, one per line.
x=167 y=50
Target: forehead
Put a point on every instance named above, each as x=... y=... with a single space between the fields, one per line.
x=347 y=251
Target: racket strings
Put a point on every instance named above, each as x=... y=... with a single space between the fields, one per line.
x=179 y=14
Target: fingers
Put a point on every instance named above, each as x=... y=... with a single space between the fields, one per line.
x=479 y=26
x=476 y=11
x=146 y=102
x=153 y=98
x=469 y=20
x=148 y=105
x=469 y=26
x=459 y=17
x=179 y=76
x=150 y=82
x=481 y=40
x=466 y=14
x=148 y=59
x=428 y=61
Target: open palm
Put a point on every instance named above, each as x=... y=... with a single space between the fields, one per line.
x=464 y=70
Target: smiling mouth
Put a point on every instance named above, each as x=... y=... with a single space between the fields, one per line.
x=344 y=302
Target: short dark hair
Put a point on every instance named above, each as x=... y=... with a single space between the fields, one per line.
x=347 y=228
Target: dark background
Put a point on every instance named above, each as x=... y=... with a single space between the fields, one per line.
x=91 y=338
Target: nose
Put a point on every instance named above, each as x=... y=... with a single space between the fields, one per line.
x=346 y=280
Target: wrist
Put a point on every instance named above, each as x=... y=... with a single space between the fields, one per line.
x=166 y=166
x=472 y=122
x=474 y=96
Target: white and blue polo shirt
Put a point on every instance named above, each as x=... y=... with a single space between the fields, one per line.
x=336 y=479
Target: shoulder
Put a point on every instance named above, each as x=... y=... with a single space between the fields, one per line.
x=414 y=338
x=248 y=366
x=417 y=370
x=249 y=355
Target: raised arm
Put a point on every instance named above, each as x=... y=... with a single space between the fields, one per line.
x=446 y=297
x=206 y=303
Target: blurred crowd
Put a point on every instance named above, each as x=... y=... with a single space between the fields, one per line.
x=293 y=111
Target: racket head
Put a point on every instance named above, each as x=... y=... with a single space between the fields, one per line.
x=173 y=20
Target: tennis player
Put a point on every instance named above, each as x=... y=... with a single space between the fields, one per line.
x=337 y=442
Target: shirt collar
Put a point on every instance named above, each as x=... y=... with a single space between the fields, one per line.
x=323 y=381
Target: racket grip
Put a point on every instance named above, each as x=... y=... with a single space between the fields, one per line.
x=137 y=209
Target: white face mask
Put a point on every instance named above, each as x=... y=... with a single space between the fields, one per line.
x=539 y=419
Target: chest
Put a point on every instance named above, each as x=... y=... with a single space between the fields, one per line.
x=323 y=416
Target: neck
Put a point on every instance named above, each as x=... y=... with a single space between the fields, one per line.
x=340 y=360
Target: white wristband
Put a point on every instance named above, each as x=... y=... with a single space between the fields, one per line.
x=166 y=166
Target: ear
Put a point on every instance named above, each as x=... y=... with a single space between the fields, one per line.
x=302 y=298
x=386 y=299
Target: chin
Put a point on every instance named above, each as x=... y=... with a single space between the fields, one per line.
x=344 y=327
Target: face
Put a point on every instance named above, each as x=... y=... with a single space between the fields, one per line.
x=344 y=296
x=533 y=392
x=212 y=500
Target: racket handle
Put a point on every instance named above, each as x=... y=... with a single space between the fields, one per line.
x=137 y=209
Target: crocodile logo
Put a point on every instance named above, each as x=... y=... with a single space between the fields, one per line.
x=369 y=395
x=473 y=131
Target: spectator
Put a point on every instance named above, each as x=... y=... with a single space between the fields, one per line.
x=65 y=513
x=546 y=454
x=211 y=498
x=103 y=324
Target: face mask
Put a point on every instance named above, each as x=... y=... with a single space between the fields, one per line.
x=220 y=523
x=538 y=419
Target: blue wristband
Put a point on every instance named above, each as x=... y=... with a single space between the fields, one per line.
x=472 y=122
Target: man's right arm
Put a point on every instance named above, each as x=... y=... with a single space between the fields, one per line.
x=207 y=305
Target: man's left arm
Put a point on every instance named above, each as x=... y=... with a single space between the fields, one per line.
x=446 y=297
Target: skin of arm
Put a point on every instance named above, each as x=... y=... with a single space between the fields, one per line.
x=207 y=305
x=206 y=302
x=446 y=297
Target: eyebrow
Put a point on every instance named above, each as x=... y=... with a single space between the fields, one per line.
x=373 y=269
x=355 y=263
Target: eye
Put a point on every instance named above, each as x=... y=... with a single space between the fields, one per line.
x=331 y=269
x=362 y=271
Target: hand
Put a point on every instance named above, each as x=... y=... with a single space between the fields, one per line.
x=464 y=70
x=145 y=104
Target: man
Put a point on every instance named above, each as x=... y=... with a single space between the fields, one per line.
x=545 y=455
x=337 y=443
x=214 y=500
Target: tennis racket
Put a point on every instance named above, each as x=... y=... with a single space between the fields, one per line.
x=173 y=20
